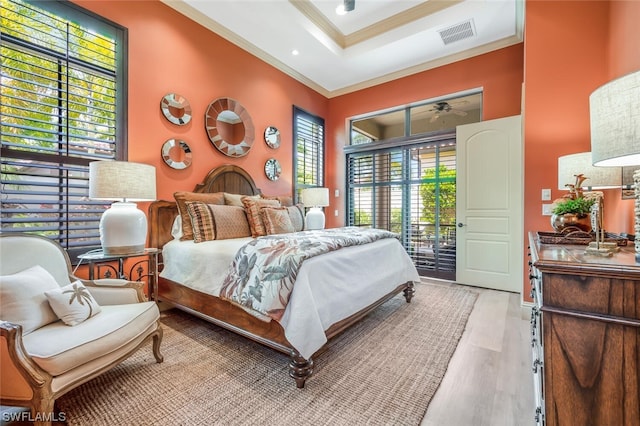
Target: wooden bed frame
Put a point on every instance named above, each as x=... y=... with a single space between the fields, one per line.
x=233 y=179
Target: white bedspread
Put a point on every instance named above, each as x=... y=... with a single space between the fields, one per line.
x=329 y=287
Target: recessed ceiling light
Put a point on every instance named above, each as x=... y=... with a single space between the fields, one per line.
x=295 y=52
x=340 y=9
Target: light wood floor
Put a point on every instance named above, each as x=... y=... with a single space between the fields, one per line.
x=489 y=379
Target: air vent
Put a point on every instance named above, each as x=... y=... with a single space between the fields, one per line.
x=457 y=32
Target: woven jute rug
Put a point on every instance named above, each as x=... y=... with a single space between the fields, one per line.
x=382 y=371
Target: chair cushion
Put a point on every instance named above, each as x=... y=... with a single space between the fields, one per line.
x=22 y=298
x=73 y=303
x=58 y=348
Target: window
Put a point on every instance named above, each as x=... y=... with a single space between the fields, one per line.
x=410 y=190
x=63 y=105
x=401 y=176
x=308 y=160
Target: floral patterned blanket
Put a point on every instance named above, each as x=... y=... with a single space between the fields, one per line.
x=261 y=277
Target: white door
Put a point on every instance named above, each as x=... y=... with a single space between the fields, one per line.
x=489 y=210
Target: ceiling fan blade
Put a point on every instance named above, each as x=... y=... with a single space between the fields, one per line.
x=459 y=112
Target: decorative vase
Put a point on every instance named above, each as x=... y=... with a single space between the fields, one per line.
x=559 y=222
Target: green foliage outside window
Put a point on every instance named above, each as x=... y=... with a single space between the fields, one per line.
x=439 y=184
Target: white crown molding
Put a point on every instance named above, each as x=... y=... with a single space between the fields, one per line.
x=368 y=32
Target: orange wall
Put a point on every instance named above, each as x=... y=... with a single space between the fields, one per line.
x=570 y=49
x=623 y=58
x=499 y=74
x=565 y=60
x=567 y=56
x=169 y=53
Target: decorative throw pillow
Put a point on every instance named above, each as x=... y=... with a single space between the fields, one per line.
x=236 y=199
x=252 y=207
x=276 y=220
x=285 y=200
x=22 y=299
x=176 y=228
x=296 y=214
x=231 y=222
x=73 y=303
x=182 y=197
x=202 y=222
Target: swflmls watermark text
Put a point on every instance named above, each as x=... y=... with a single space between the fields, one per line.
x=27 y=416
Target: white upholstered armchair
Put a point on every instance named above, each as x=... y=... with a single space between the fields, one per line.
x=57 y=331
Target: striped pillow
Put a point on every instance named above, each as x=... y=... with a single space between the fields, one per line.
x=217 y=222
x=252 y=206
x=201 y=218
x=183 y=197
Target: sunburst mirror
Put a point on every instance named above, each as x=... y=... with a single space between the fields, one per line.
x=176 y=109
x=229 y=127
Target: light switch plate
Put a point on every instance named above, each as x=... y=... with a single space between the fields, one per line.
x=546 y=195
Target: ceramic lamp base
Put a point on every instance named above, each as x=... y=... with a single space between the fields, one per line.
x=123 y=229
x=314 y=219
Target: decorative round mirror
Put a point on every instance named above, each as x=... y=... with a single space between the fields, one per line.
x=229 y=127
x=272 y=169
x=272 y=137
x=177 y=154
x=176 y=109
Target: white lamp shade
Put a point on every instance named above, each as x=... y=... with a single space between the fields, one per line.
x=123 y=227
x=122 y=181
x=615 y=122
x=597 y=177
x=315 y=197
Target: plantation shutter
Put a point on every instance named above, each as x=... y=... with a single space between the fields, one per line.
x=62 y=92
x=409 y=190
x=308 y=133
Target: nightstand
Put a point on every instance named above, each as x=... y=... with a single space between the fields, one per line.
x=100 y=266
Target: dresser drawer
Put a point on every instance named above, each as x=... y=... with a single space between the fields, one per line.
x=592 y=295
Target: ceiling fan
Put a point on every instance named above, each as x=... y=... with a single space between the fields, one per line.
x=444 y=107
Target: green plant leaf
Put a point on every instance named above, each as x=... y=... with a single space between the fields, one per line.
x=576 y=206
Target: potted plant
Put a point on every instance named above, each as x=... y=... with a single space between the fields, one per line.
x=572 y=212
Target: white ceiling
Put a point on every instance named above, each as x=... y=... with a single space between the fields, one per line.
x=379 y=41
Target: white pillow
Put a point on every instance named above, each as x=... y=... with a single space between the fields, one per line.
x=22 y=299
x=73 y=303
x=176 y=228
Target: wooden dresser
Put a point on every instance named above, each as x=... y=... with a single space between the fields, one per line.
x=585 y=329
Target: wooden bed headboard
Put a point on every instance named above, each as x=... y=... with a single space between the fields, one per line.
x=227 y=178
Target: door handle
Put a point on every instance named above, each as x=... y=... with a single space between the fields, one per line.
x=460 y=224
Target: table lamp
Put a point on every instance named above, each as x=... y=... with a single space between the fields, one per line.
x=315 y=198
x=614 y=110
x=573 y=165
x=123 y=227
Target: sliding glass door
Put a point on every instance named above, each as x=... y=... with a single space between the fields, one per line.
x=410 y=190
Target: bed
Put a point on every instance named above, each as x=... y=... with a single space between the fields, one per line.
x=327 y=298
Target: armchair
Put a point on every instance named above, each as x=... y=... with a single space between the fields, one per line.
x=42 y=357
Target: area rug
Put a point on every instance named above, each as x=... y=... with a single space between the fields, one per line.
x=382 y=371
